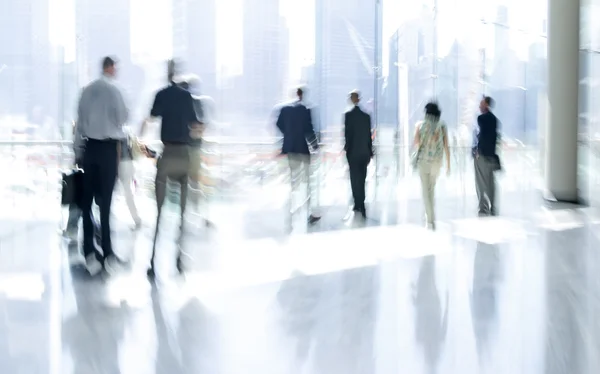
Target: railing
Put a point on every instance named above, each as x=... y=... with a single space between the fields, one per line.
x=243 y=171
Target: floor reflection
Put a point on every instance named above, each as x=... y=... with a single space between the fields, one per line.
x=198 y=337
x=298 y=299
x=94 y=333
x=571 y=304
x=487 y=273
x=331 y=320
x=431 y=324
x=371 y=301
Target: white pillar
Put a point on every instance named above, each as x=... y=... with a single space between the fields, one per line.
x=563 y=88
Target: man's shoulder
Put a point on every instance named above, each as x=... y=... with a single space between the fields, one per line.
x=487 y=116
x=173 y=89
x=298 y=105
x=353 y=110
x=176 y=93
x=95 y=84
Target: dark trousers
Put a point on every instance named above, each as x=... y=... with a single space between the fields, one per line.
x=358 y=177
x=100 y=166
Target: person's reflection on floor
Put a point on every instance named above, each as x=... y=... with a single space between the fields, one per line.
x=187 y=340
x=198 y=339
x=345 y=328
x=430 y=326
x=360 y=291
x=298 y=299
x=167 y=356
x=94 y=333
x=484 y=295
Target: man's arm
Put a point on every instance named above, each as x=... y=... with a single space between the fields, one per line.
x=78 y=144
x=121 y=108
x=347 y=132
x=371 y=153
x=311 y=135
x=78 y=141
x=279 y=123
x=155 y=112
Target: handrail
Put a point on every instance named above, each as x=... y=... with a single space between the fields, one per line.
x=209 y=141
x=70 y=142
x=36 y=142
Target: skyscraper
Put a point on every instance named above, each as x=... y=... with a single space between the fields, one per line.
x=103 y=29
x=26 y=78
x=345 y=54
x=194 y=40
x=265 y=58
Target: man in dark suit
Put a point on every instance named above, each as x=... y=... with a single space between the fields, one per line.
x=486 y=160
x=359 y=150
x=299 y=140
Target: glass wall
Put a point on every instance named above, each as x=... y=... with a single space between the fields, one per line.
x=249 y=54
x=457 y=50
x=589 y=94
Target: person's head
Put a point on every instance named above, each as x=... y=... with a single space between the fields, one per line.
x=354 y=97
x=300 y=92
x=194 y=83
x=171 y=70
x=109 y=66
x=486 y=104
x=184 y=84
x=432 y=109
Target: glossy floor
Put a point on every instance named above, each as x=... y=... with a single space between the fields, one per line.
x=514 y=294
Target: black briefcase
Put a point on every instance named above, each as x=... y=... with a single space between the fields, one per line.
x=72 y=187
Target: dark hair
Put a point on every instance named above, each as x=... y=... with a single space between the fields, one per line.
x=108 y=62
x=433 y=109
x=489 y=101
x=300 y=91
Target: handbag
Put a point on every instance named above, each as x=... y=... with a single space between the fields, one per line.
x=72 y=187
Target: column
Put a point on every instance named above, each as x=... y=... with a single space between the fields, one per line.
x=563 y=87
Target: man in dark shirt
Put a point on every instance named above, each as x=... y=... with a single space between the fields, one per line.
x=179 y=126
x=204 y=107
x=359 y=150
x=485 y=156
x=299 y=138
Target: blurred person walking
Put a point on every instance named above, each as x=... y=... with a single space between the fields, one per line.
x=295 y=122
x=129 y=151
x=486 y=161
x=204 y=107
x=359 y=150
x=431 y=142
x=101 y=115
x=179 y=126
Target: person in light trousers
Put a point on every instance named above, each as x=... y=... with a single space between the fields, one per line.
x=127 y=175
x=431 y=141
